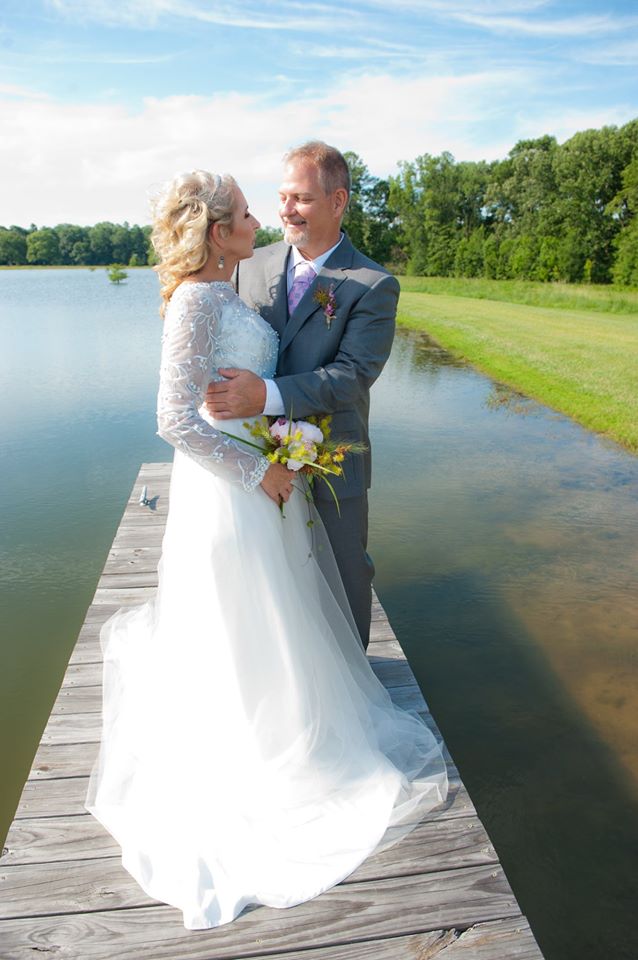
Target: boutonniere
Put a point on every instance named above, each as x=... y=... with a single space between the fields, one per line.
x=326 y=299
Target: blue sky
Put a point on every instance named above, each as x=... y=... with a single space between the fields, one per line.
x=102 y=99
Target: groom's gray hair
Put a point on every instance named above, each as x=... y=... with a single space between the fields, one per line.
x=334 y=172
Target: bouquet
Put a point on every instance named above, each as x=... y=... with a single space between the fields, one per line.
x=305 y=446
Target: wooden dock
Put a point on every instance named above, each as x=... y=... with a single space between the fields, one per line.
x=440 y=893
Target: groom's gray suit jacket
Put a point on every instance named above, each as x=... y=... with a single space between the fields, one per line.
x=322 y=367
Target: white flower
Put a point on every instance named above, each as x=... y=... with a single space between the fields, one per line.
x=309 y=432
x=280 y=428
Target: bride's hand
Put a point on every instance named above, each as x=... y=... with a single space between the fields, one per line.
x=277 y=483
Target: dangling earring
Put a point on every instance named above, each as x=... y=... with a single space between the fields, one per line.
x=220 y=262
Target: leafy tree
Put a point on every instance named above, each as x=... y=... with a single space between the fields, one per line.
x=472 y=212
x=491 y=257
x=74 y=243
x=625 y=207
x=441 y=251
x=360 y=179
x=101 y=243
x=406 y=195
x=547 y=265
x=121 y=243
x=626 y=265
x=381 y=230
x=267 y=235
x=505 y=251
x=138 y=245
x=369 y=220
x=116 y=273
x=151 y=256
x=589 y=170
x=43 y=247
x=524 y=256
x=13 y=247
x=439 y=203
x=522 y=188
x=469 y=260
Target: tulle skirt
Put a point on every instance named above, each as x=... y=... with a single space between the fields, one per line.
x=249 y=755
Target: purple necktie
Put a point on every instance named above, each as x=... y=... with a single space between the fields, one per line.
x=304 y=275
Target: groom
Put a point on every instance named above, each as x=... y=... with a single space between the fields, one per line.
x=334 y=311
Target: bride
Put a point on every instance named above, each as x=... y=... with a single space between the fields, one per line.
x=249 y=755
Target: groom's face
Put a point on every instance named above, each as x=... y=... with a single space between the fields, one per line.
x=310 y=217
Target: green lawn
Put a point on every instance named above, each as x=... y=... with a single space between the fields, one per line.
x=582 y=362
x=567 y=296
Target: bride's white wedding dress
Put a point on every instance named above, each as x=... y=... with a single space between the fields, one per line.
x=249 y=755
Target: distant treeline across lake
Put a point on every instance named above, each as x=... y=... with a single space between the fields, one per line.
x=548 y=211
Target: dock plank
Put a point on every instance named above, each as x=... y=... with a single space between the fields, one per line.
x=441 y=891
x=446 y=844
x=153 y=934
x=354 y=911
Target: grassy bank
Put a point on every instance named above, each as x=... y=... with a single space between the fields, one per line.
x=564 y=296
x=582 y=362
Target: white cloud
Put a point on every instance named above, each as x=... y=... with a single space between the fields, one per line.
x=331 y=16
x=452 y=7
x=615 y=55
x=115 y=59
x=244 y=14
x=571 y=27
x=83 y=163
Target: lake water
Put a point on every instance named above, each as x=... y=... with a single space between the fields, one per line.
x=506 y=551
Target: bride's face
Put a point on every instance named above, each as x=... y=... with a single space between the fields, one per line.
x=241 y=240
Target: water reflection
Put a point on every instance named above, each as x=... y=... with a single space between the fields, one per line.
x=78 y=371
x=506 y=552
x=502 y=397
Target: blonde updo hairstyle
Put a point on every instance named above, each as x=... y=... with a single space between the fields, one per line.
x=183 y=212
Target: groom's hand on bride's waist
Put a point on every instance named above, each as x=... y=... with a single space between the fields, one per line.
x=241 y=394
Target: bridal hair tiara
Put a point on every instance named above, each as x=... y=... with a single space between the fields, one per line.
x=156 y=191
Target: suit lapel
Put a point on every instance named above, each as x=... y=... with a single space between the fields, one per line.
x=275 y=309
x=332 y=274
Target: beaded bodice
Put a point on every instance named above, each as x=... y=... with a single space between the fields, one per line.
x=242 y=338
x=206 y=327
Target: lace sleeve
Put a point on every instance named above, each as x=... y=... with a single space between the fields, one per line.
x=188 y=347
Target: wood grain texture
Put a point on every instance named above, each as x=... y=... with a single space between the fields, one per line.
x=78 y=700
x=444 y=844
x=351 y=911
x=150 y=935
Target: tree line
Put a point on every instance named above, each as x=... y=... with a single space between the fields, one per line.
x=548 y=211
x=101 y=245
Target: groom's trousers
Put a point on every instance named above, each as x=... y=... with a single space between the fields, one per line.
x=348 y=535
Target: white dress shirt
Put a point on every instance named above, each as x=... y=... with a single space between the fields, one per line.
x=274 y=406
